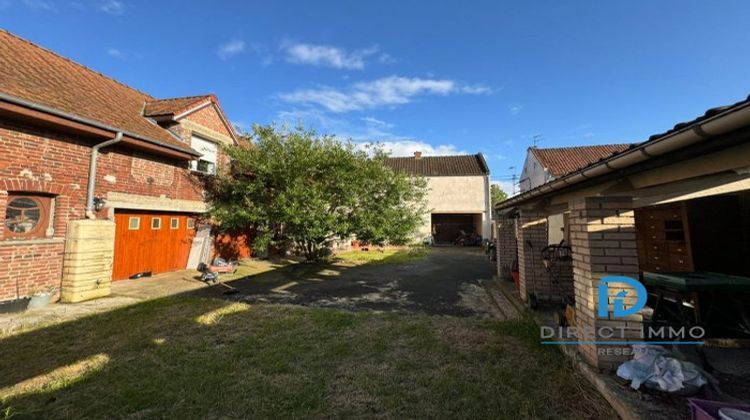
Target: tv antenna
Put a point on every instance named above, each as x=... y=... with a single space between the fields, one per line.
x=536 y=138
x=513 y=177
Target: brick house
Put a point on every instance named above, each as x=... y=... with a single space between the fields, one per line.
x=676 y=206
x=458 y=196
x=138 y=210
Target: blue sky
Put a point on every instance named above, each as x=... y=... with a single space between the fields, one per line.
x=442 y=77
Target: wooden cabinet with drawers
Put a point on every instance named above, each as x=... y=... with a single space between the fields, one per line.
x=663 y=238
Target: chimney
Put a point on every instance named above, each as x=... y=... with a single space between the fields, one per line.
x=417 y=155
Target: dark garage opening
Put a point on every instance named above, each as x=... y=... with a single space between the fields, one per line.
x=446 y=228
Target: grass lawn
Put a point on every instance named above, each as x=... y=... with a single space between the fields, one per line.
x=202 y=358
x=381 y=256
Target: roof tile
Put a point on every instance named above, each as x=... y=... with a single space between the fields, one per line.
x=173 y=106
x=561 y=161
x=43 y=77
x=459 y=165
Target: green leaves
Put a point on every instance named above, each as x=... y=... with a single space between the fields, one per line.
x=294 y=185
x=497 y=194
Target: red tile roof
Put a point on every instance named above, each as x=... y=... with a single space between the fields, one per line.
x=174 y=106
x=461 y=165
x=35 y=74
x=561 y=161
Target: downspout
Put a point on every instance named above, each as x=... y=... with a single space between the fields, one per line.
x=92 y=173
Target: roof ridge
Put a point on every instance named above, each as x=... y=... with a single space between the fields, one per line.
x=581 y=147
x=35 y=45
x=435 y=156
x=208 y=95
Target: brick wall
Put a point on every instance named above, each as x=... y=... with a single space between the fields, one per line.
x=534 y=277
x=505 y=246
x=209 y=118
x=27 y=267
x=56 y=164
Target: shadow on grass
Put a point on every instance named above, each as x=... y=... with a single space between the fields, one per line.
x=192 y=357
x=196 y=358
x=315 y=272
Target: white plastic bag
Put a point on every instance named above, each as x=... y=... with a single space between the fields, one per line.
x=652 y=366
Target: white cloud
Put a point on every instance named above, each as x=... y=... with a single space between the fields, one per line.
x=477 y=90
x=373 y=132
x=327 y=55
x=408 y=147
x=515 y=109
x=230 y=49
x=39 y=5
x=114 y=52
x=388 y=91
x=374 y=122
x=112 y=7
x=366 y=128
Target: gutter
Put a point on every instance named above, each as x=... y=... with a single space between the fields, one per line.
x=722 y=123
x=93 y=123
x=92 y=173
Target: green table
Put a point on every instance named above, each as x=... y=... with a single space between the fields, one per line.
x=698 y=281
x=707 y=293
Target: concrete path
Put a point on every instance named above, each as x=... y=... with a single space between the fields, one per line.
x=125 y=292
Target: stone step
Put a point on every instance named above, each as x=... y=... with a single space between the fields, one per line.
x=508 y=289
x=505 y=306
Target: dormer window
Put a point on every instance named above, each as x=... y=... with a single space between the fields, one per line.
x=209 y=152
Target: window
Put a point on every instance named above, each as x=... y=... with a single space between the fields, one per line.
x=156 y=223
x=209 y=151
x=174 y=223
x=27 y=216
x=134 y=223
x=191 y=223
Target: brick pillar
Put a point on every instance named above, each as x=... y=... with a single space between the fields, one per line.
x=506 y=246
x=533 y=275
x=603 y=240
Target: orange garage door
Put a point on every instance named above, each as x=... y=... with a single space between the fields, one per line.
x=151 y=241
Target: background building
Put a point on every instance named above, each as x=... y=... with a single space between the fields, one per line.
x=458 y=197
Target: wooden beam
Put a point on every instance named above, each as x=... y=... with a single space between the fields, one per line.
x=725 y=183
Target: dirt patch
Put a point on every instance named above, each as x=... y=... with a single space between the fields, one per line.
x=474 y=297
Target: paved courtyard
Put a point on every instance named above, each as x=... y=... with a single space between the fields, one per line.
x=446 y=281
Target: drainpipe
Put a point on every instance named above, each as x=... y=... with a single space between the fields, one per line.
x=92 y=173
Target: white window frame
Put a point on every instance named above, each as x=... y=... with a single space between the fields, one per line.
x=155 y=219
x=137 y=221
x=209 y=151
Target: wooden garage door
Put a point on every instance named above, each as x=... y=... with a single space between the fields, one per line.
x=151 y=241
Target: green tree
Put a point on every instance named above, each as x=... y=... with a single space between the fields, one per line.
x=497 y=194
x=295 y=186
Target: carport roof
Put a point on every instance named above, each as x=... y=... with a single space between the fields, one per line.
x=457 y=165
